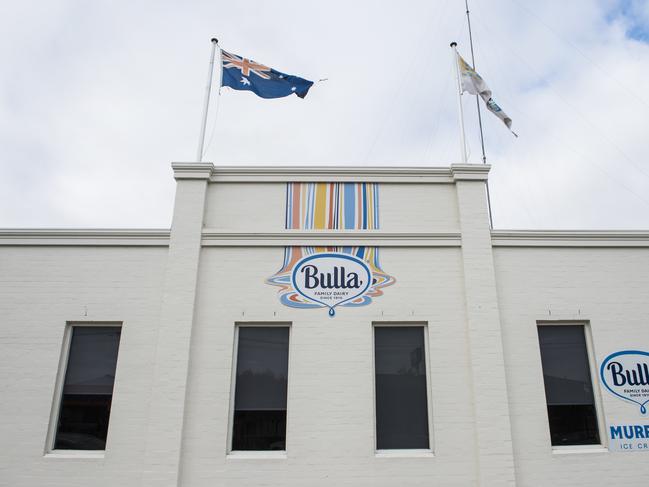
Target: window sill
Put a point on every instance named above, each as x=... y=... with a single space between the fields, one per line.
x=85 y=454
x=423 y=453
x=257 y=455
x=578 y=449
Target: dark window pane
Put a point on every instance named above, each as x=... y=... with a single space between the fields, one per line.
x=260 y=389
x=401 y=401
x=566 y=370
x=573 y=425
x=259 y=430
x=88 y=388
x=568 y=385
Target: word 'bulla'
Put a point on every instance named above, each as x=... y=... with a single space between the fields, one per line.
x=338 y=279
x=622 y=377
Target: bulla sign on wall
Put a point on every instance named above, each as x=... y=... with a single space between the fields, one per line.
x=331 y=276
x=330 y=279
x=625 y=374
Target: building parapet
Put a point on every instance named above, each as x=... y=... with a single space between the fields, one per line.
x=283 y=174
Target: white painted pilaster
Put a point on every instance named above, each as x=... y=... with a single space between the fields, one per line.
x=493 y=429
x=168 y=394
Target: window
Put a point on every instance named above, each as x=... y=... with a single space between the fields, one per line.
x=568 y=385
x=401 y=392
x=260 y=389
x=87 y=392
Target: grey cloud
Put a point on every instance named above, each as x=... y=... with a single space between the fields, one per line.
x=97 y=99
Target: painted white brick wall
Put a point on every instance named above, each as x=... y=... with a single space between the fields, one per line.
x=41 y=288
x=429 y=208
x=607 y=287
x=330 y=437
x=179 y=305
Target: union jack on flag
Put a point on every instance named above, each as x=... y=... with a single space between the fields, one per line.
x=241 y=73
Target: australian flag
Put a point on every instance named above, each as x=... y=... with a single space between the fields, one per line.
x=245 y=74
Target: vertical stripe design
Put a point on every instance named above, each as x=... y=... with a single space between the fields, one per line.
x=331 y=206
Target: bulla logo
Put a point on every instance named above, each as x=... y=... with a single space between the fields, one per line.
x=626 y=374
x=331 y=279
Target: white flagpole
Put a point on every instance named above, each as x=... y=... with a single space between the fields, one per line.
x=459 y=103
x=208 y=90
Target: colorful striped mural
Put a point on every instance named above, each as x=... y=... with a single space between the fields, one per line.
x=331 y=206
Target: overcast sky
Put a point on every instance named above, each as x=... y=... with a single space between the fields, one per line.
x=98 y=97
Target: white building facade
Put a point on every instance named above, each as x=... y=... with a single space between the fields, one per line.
x=241 y=353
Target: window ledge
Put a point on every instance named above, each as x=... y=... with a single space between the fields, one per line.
x=257 y=455
x=572 y=450
x=414 y=453
x=87 y=454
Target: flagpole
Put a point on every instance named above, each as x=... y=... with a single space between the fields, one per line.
x=208 y=90
x=459 y=104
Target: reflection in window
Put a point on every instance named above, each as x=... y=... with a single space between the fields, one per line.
x=568 y=385
x=401 y=399
x=87 y=388
x=260 y=389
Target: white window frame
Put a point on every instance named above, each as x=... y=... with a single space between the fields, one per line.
x=55 y=410
x=256 y=454
x=404 y=452
x=602 y=446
